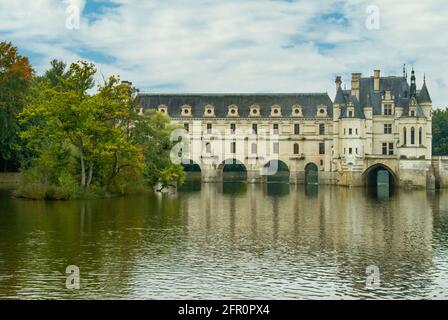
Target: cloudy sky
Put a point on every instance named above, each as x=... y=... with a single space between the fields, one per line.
x=236 y=45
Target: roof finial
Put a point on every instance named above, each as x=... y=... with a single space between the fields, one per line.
x=424 y=77
x=413 y=88
x=404 y=71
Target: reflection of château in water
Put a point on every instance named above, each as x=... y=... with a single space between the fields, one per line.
x=380 y=124
x=216 y=244
x=396 y=235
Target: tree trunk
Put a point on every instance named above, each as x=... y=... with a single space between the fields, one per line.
x=115 y=169
x=83 y=169
x=89 y=180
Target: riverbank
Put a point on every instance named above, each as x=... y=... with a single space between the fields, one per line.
x=9 y=178
x=19 y=189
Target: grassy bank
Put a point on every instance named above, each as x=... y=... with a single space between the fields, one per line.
x=10 y=178
x=33 y=187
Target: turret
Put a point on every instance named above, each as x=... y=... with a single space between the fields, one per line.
x=424 y=100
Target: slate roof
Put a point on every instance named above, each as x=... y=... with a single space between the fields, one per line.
x=370 y=98
x=308 y=101
x=423 y=95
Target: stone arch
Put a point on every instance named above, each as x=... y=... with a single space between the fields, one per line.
x=191 y=166
x=370 y=175
x=232 y=163
x=311 y=173
x=275 y=166
x=232 y=170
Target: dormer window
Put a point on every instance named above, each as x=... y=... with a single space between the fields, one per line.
x=209 y=111
x=233 y=111
x=297 y=111
x=276 y=111
x=186 y=111
x=322 y=111
x=387 y=103
x=387 y=109
x=350 y=112
x=254 y=111
x=163 y=109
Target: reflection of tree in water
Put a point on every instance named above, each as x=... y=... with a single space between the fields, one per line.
x=104 y=237
x=331 y=237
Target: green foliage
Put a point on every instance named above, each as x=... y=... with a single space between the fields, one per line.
x=152 y=132
x=440 y=132
x=15 y=78
x=88 y=143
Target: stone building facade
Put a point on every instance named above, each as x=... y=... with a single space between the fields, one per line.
x=379 y=123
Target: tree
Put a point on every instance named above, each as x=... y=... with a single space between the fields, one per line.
x=440 y=132
x=85 y=142
x=15 y=77
x=153 y=133
x=83 y=134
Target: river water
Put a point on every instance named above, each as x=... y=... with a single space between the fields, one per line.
x=228 y=241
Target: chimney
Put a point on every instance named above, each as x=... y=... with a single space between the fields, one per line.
x=356 y=79
x=338 y=82
x=376 y=80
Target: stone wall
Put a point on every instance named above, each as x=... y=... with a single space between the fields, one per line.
x=412 y=173
x=440 y=167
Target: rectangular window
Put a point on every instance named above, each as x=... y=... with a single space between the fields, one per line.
x=187 y=127
x=296 y=148
x=385 y=148
x=321 y=148
x=275 y=148
x=253 y=148
x=209 y=128
x=233 y=147
x=387 y=109
x=321 y=129
x=297 y=128
x=350 y=131
x=350 y=150
x=391 y=149
x=356 y=131
x=350 y=114
x=388 y=128
x=232 y=128
x=208 y=147
x=356 y=150
x=254 y=128
x=275 y=128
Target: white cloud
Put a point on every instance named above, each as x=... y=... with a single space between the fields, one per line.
x=239 y=46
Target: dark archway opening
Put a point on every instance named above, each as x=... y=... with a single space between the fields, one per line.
x=191 y=166
x=277 y=178
x=233 y=171
x=380 y=181
x=193 y=177
x=311 y=174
